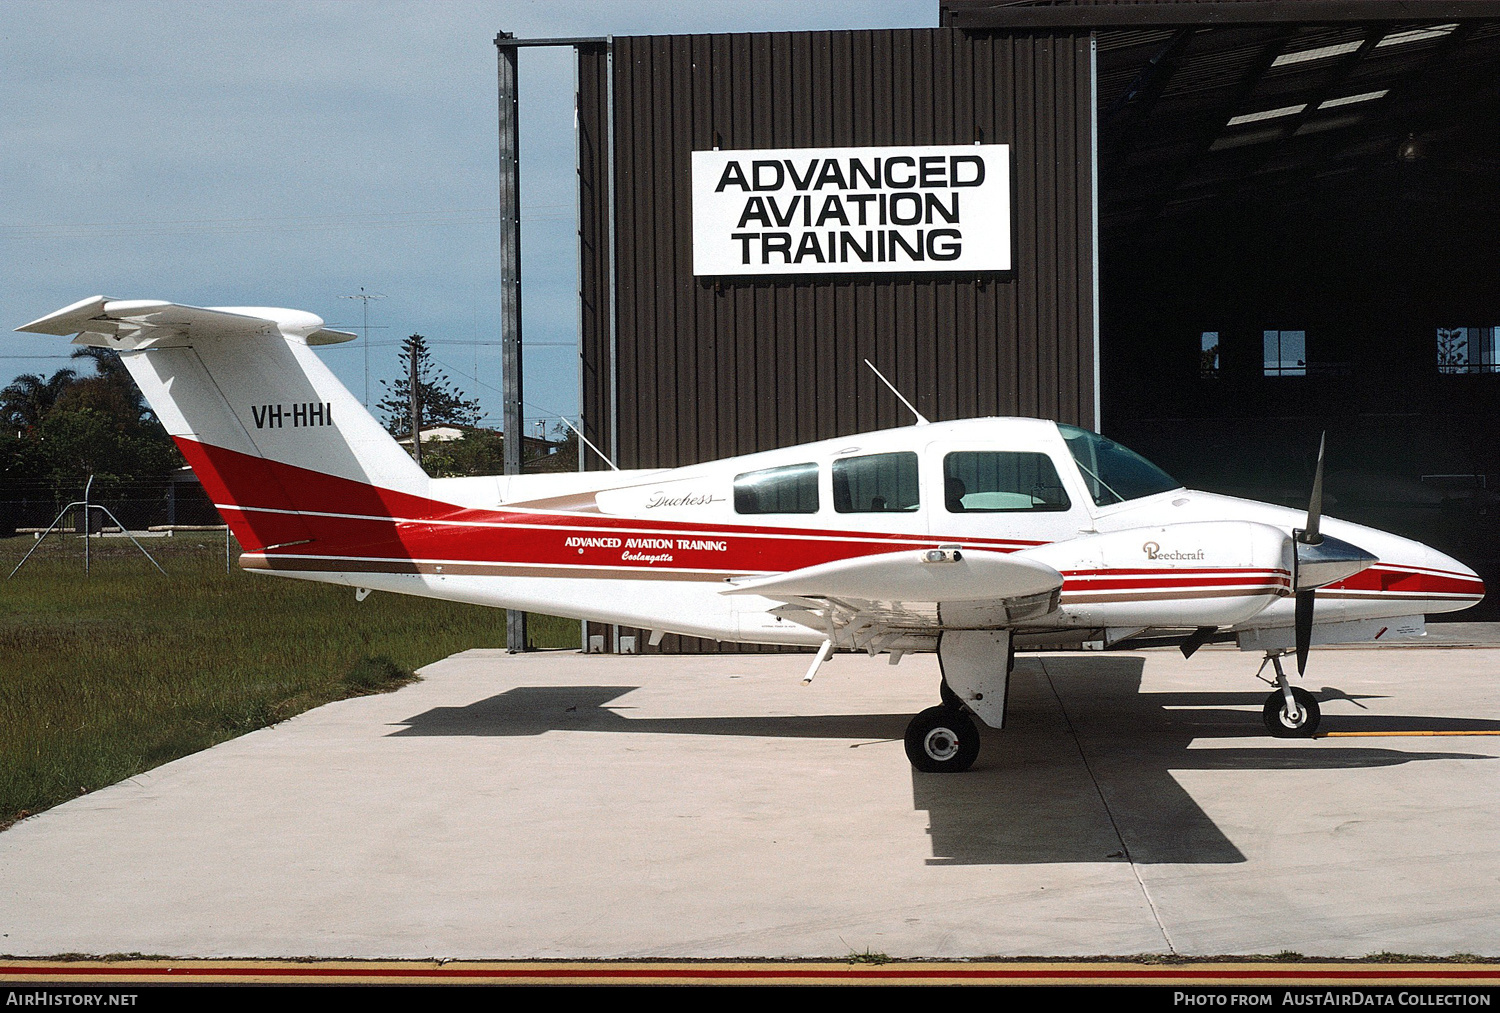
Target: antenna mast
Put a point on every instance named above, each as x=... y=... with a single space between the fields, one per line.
x=921 y=419
x=365 y=298
x=586 y=441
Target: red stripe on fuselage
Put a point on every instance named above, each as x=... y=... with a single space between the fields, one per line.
x=1382 y=579
x=1222 y=577
x=381 y=523
x=401 y=527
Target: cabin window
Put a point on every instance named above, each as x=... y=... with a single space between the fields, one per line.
x=876 y=484
x=1112 y=473
x=1001 y=482
x=789 y=490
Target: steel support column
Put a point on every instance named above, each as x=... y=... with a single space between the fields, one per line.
x=510 y=287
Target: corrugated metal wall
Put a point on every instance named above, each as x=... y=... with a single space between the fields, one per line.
x=711 y=368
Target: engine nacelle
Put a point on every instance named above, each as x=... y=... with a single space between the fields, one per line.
x=1199 y=573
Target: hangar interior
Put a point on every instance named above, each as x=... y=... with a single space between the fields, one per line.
x=1300 y=232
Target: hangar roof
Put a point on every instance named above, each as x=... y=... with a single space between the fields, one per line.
x=1203 y=102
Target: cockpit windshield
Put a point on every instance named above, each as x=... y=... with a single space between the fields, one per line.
x=1112 y=473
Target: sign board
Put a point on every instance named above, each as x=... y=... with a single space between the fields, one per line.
x=906 y=209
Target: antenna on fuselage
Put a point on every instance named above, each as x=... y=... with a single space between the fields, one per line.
x=921 y=419
x=582 y=437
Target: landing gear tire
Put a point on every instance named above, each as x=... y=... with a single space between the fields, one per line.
x=1280 y=725
x=942 y=740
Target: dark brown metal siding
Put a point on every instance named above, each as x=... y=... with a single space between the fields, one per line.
x=712 y=368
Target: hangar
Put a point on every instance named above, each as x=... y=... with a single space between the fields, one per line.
x=1231 y=226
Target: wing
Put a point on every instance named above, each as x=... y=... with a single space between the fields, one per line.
x=898 y=600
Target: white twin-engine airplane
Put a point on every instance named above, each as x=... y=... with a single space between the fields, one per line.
x=968 y=538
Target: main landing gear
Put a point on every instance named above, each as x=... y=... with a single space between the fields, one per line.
x=942 y=740
x=976 y=668
x=1290 y=711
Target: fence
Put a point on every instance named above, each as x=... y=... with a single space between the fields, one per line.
x=139 y=504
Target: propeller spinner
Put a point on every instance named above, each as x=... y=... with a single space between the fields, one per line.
x=1319 y=560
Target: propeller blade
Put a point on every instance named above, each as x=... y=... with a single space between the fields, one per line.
x=1304 y=626
x=1309 y=534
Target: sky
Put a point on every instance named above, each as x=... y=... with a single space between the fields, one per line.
x=296 y=154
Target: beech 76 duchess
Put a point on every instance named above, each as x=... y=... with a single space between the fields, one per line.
x=967 y=539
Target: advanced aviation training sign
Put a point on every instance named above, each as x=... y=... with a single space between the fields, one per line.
x=852 y=210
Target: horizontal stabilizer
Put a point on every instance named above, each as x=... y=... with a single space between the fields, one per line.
x=139 y=323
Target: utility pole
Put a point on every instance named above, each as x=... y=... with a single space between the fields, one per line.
x=510 y=286
x=365 y=298
x=416 y=406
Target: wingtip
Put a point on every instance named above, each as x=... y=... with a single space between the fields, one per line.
x=68 y=320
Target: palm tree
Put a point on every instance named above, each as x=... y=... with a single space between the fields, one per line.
x=28 y=398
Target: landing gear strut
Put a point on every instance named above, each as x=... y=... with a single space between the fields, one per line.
x=1290 y=712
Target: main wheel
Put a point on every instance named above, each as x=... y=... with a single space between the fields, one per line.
x=942 y=740
x=1281 y=726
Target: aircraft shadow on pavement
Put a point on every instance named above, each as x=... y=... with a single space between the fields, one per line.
x=1084 y=752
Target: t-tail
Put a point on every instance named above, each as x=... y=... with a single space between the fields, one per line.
x=286 y=453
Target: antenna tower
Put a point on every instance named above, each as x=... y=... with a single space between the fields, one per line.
x=365 y=298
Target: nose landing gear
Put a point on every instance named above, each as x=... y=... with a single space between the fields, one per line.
x=1290 y=712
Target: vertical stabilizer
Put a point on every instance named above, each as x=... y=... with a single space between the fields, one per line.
x=269 y=430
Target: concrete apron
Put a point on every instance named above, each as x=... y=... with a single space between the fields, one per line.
x=556 y=805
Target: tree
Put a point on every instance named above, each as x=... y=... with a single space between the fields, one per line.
x=28 y=399
x=113 y=376
x=564 y=457
x=482 y=452
x=65 y=427
x=442 y=402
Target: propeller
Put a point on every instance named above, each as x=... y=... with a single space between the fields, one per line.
x=1319 y=560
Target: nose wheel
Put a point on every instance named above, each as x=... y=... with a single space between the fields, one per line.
x=1283 y=722
x=942 y=740
x=1290 y=711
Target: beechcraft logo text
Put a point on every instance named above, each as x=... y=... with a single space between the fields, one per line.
x=295 y=416
x=1153 y=551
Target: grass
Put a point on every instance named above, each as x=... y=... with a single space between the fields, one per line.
x=107 y=676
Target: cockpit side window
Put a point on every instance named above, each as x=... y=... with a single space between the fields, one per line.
x=875 y=484
x=792 y=489
x=1112 y=473
x=1001 y=482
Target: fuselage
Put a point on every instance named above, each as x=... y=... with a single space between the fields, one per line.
x=654 y=549
x=315 y=488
